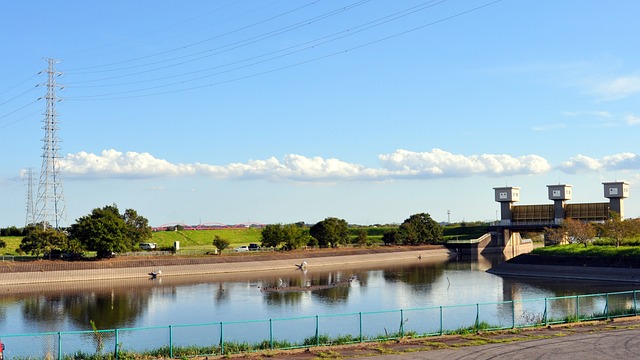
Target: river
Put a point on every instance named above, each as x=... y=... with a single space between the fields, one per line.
x=201 y=299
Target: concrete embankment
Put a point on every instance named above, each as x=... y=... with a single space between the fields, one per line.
x=40 y=277
x=575 y=268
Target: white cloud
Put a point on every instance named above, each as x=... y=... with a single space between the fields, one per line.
x=581 y=163
x=633 y=120
x=620 y=87
x=112 y=163
x=401 y=164
x=445 y=164
x=397 y=165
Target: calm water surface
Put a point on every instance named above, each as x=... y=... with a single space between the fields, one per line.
x=202 y=299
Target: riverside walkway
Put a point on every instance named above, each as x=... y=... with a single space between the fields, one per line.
x=610 y=339
x=614 y=344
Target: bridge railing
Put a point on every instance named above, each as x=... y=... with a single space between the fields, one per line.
x=222 y=338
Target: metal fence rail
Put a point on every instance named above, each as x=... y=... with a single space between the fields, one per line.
x=220 y=338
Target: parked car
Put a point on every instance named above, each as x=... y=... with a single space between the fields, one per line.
x=242 y=248
x=254 y=247
x=148 y=246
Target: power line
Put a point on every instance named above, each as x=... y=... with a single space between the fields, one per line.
x=158 y=30
x=336 y=36
x=20 y=119
x=220 y=49
x=192 y=44
x=29 y=79
x=18 y=109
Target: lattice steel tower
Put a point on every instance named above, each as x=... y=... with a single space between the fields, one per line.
x=50 y=201
x=31 y=211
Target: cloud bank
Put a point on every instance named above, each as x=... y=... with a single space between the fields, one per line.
x=400 y=164
x=581 y=163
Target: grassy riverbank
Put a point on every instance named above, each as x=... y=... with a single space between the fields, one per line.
x=575 y=256
x=590 y=250
x=594 y=251
x=202 y=240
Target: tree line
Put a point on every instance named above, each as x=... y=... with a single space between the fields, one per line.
x=613 y=231
x=418 y=229
x=105 y=231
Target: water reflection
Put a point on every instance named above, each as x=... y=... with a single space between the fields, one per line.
x=233 y=297
x=108 y=309
x=416 y=275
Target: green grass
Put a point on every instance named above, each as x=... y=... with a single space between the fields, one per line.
x=13 y=243
x=189 y=239
x=459 y=232
x=202 y=239
x=591 y=250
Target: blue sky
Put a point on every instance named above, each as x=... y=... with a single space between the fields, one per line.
x=286 y=111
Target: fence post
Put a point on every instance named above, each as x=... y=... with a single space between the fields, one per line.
x=635 y=304
x=606 y=306
x=271 y=334
x=477 y=316
x=440 y=320
x=513 y=314
x=360 y=316
x=401 y=323
x=221 y=339
x=59 y=345
x=317 y=330
x=577 y=308
x=116 y=341
x=546 y=314
x=171 y=341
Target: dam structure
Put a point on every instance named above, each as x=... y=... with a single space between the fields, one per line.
x=504 y=234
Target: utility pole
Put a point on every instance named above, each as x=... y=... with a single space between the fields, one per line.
x=50 y=201
x=30 y=218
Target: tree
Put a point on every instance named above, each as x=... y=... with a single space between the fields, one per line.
x=220 y=243
x=578 y=231
x=618 y=229
x=103 y=231
x=390 y=237
x=272 y=236
x=138 y=229
x=41 y=241
x=330 y=232
x=11 y=231
x=289 y=236
x=362 y=237
x=294 y=237
x=554 y=236
x=419 y=229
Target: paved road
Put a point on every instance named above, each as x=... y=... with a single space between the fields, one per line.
x=614 y=344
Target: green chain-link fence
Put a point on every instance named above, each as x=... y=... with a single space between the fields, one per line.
x=219 y=338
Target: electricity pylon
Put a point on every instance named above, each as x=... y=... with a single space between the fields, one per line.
x=50 y=202
x=30 y=219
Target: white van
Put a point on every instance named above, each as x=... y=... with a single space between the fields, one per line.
x=148 y=246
